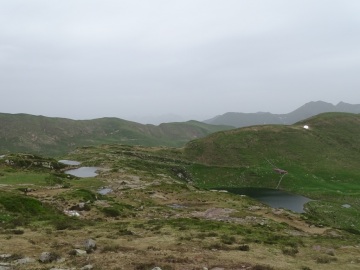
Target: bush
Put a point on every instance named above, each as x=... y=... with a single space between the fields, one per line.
x=111 y=212
x=70 y=223
x=325 y=259
x=291 y=251
x=228 y=240
x=262 y=267
x=243 y=248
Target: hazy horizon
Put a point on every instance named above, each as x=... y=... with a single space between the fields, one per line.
x=140 y=60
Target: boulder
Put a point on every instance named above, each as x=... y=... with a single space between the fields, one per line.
x=78 y=252
x=47 y=257
x=90 y=245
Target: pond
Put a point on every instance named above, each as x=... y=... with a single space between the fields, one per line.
x=83 y=172
x=70 y=162
x=274 y=198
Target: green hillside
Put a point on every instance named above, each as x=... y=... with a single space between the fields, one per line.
x=322 y=162
x=161 y=203
x=57 y=136
x=329 y=148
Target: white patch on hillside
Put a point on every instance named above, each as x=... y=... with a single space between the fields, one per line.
x=306 y=127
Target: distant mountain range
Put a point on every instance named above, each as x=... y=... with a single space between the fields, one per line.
x=237 y=119
x=58 y=136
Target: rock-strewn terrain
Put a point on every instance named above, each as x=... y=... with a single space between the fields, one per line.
x=154 y=217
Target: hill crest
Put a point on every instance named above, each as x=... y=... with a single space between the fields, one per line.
x=309 y=109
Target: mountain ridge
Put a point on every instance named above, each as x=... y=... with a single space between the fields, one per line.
x=238 y=119
x=57 y=136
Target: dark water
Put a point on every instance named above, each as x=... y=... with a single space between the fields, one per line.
x=274 y=198
x=83 y=172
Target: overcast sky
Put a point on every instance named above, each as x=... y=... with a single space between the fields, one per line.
x=137 y=59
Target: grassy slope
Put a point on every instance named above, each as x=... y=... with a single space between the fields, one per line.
x=57 y=136
x=322 y=162
x=328 y=150
x=154 y=217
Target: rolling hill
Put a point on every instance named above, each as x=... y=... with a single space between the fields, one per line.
x=310 y=109
x=162 y=204
x=327 y=152
x=322 y=163
x=57 y=136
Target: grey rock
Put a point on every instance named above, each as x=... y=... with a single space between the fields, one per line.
x=25 y=260
x=87 y=267
x=78 y=252
x=5 y=256
x=4 y=267
x=90 y=245
x=47 y=257
x=156 y=268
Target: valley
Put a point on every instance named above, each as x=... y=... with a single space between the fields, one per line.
x=167 y=207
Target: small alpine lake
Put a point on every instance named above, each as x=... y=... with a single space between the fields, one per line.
x=274 y=198
x=83 y=172
x=70 y=162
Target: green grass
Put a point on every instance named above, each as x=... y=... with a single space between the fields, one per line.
x=58 y=136
x=322 y=162
x=19 y=210
x=23 y=178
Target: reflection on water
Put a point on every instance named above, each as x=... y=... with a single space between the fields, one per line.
x=274 y=198
x=83 y=172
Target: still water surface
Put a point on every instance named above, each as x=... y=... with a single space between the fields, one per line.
x=70 y=162
x=83 y=172
x=274 y=198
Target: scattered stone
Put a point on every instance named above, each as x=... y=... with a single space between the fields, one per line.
x=25 y=260
x=5 y=256
x=5 y=267
x=79 y=207
x=156 y=268
x=87 y=267
x=90 y=245
x=55 y=268
x=72 y=213
x=254 y=208
x=47 y=257
x=78 y=252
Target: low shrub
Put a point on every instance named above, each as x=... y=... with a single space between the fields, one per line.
x=243 y=248
x=262 y=267
x=228 y=240
x=291 y=251
x=325 y=259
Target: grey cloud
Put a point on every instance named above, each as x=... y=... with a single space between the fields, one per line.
x=205 y=57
